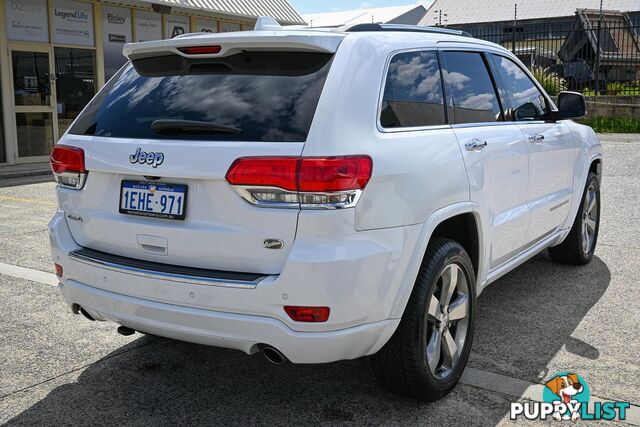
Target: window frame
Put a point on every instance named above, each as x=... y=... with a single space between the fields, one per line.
x=383 y=85
x=550 y=105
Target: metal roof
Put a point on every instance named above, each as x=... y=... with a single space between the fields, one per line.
x=364 y=16
x=482 y=11
x=280 y=10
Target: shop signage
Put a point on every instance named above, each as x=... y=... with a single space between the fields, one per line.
x=226 y=27
x=116 y=31
x=206 y=26
x=26 y=20
x=177 y=25
x=72 y=23
x=148 y=26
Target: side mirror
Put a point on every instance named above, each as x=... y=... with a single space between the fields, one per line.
x=571 y=105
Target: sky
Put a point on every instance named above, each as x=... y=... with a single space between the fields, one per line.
x=317 y=6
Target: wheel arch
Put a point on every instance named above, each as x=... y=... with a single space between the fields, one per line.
x=442 y=223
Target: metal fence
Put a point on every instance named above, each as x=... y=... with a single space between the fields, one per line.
x=596 y=55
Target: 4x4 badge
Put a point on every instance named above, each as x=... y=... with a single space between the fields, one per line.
x=150 y=158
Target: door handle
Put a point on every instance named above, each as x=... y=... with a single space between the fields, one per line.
x=475 y=145
x=536 y=138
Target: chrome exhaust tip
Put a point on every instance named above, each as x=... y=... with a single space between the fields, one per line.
x=86 y=314
x=272 y=355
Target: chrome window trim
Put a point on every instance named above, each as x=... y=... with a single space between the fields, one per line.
x=166 y=276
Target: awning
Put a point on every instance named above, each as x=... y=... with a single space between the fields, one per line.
x=281 y=10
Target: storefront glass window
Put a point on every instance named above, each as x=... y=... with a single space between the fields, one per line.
x=75 y=83
x=31 y=80
x=35 y=134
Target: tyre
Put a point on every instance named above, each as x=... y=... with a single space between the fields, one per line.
x=428 y=352
x=578 y=247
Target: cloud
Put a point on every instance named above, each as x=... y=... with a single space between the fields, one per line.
x=484 y=101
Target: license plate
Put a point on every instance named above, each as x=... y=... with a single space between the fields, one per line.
x=154 y=199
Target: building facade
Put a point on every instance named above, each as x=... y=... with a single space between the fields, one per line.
x=56 y=54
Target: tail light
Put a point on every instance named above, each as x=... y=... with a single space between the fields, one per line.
x=67 y=165
x=301 y=182
x=307 y=314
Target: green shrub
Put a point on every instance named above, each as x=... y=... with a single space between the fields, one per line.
x=615 y=88
x=550 y=81
x=612 y=124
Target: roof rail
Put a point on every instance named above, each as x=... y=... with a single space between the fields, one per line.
x=407 y=28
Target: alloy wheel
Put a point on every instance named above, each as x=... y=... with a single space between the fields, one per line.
x=447 y=321
x=589 y=219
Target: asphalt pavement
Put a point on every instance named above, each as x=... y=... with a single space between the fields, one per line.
x=542 y=318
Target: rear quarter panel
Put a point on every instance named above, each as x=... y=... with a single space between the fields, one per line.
x=415 y=173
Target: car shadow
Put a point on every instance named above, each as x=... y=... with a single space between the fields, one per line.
x=523 y=320
x=527 y=316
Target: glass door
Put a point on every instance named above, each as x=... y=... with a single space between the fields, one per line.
x=75 y=83
x=34 y=101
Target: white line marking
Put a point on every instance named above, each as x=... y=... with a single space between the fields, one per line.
x=29 y=274
x=521 y=389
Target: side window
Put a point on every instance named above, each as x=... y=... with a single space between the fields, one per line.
x=521 y=98
x=474 y=97
x=413 y=91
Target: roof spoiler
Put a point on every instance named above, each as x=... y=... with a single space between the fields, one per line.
x=264 y=39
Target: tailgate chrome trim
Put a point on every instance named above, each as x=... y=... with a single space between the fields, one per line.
x=159 y=271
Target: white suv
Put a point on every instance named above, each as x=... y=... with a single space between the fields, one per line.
x=319 y=195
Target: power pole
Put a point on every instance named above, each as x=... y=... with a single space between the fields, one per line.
x=438 y=18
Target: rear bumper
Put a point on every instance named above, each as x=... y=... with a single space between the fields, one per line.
x=357 y=275
x=229 y=330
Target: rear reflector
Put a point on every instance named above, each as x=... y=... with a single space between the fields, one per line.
x=327 y=182
x=200 y=50
x=307 y=314
x=59 y=270
x=68 y=167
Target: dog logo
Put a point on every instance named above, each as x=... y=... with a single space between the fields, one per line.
x=566 y=387
x=566 y=397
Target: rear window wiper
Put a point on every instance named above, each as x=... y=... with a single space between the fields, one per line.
x=191 y=126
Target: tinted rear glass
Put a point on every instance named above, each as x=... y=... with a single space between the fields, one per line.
x=413 y=91
x=264 y=96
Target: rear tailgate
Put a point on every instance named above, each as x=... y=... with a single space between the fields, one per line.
x=254 y=101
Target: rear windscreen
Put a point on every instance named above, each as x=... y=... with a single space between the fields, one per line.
x=249 y=96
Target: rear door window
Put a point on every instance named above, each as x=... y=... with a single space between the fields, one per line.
x=472 y=91
x=249 y=96
x=522 y=99
x=413 y=91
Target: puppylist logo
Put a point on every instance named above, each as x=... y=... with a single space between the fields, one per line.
x=566 y=397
